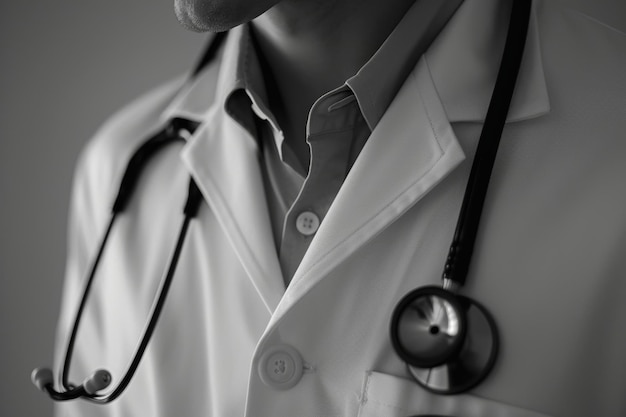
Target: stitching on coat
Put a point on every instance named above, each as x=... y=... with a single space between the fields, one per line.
x=419 y=92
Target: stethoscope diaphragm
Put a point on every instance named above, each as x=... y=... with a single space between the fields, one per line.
x=449 y=342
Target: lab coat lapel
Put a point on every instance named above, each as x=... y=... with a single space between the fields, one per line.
x=413 y=147
x=409 y=152
x=464 y=60
x=223 y=160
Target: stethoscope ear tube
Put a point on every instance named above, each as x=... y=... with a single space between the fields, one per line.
x=128 y=183
x=192 y=206
x=194 y=200
x=177 y=130
x=174 y=131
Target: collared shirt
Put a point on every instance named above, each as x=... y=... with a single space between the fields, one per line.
x=338 y=126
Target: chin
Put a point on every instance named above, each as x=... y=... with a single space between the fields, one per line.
x=218 y=15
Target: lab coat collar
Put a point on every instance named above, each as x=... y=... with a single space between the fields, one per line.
x=378 y=81
x=223 y=159
x=410 y=151
x=414 y=148
x=464 y=62
x=199 y=96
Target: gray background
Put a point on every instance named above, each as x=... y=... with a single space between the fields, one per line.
x=65 y=66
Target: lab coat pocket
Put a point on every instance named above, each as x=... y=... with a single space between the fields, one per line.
x=385 y=395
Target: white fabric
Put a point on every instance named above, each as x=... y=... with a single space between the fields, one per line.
x=548 y=262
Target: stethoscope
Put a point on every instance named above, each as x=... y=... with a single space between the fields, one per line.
x=176 y=130
x=448 y=341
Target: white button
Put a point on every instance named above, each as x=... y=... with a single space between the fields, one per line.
x=280 y=367
x=307 y=223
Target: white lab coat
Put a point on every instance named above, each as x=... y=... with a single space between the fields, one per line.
x=548 y=262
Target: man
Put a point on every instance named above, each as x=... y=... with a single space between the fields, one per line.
x=333 y=148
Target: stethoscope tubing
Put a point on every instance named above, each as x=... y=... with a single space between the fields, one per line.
x=155 y=313
x=462 y=247
x=69 y=350
x=451 y=359
x=171 y=133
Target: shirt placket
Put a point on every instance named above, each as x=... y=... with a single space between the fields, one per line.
x=331 y=131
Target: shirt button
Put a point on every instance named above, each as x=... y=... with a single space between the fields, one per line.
x=281 y=367
x=307 y=223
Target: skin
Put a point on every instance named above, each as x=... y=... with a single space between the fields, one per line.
x=219 y=15
x=307 y=47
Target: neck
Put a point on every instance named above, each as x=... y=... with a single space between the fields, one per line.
x=309 y=47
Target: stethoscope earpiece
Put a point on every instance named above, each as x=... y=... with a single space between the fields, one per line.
x=97 y=381
x=43 y=379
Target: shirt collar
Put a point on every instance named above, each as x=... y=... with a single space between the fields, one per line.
x=463 y=62
x=374 y=85
x=378 y=81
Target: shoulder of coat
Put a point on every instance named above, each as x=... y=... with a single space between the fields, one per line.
x=584 y=59
x=106 y=154
x=593 y=19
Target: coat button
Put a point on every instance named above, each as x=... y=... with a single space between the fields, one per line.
x=280 y=367
x=307 y=223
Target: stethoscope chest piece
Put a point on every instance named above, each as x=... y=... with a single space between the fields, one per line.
x=448 y=341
